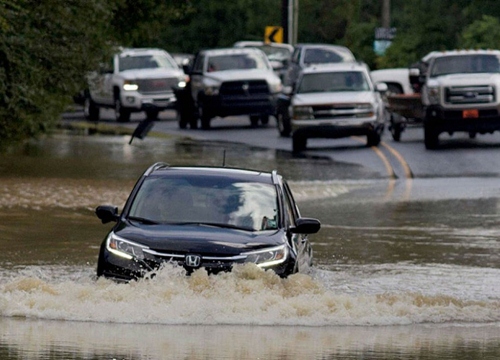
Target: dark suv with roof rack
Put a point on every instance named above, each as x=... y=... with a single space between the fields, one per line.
x=211 y=218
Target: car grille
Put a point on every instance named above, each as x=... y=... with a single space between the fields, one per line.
x=153 y=86
x=342 y=111
x=244 y=88
x=460 y=95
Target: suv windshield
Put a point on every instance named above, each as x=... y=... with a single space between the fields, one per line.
x=333 y=81
x=464 y=64
x=236 y=62
x=223 y=201
x=146 y=61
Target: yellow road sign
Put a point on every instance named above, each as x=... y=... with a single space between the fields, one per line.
x=273 y=34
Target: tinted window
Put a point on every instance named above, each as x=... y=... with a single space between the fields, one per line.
x=207 y=200
x=333 y=81
x=236 y=62
x=464 y=64
x=129 y=62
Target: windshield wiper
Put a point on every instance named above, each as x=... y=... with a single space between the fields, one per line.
x=143 y=220
x=226 y=226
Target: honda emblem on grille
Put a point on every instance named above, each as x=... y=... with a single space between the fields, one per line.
x=193 y=260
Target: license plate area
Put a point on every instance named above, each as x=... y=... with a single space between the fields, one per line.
x=470 y=114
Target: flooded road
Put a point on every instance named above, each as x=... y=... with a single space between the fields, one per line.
x=404 y=269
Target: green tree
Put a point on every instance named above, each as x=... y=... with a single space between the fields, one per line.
x=481 y=34
x=46 y=47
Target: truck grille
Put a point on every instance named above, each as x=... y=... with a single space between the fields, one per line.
x=244 y=88
x=153 y=86
x=342 y=111
x=460 y=95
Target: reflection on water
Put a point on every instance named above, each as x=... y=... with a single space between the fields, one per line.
x=402 y=272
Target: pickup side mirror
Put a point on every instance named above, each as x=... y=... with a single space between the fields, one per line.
x=381 y=87
x=107 y=213
x=306 y=226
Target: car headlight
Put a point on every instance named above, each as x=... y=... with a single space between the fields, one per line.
x=124 y=248
x=130 y=85
x=211 y=87
x=268 y=257
x=302 y=112
x=182 y=82
x=433 y=95
x=276 y=87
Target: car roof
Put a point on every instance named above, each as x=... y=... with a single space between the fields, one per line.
x=436 y=54
x=263 y=43
x=163 y=169
x=140 y=51
x=230 y=51
x=333 y=67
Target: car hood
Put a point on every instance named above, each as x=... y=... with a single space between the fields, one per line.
x=334 y=97
x=466 y=79
x=242 y=75
x=157 y=73
x=202 y=239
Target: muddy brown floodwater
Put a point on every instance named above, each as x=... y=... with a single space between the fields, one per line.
x=403 y=269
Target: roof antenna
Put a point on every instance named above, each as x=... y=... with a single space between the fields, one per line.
x=224 y=158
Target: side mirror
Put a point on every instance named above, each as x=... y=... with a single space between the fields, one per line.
x=287 y=90
x=381 y=87
x=107 y=213
x=306 y=226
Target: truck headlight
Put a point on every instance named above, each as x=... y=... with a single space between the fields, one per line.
x=268 y=257
x=433 y=95
x=130 y=85
x=276 y=87
x=302 y=112
x=124 y=248
x=211 y=87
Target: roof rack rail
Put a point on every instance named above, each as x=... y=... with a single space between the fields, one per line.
x=156 y=166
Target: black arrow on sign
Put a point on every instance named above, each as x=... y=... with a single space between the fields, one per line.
x=272 y=34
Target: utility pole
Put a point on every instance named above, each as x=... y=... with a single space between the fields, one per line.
x=386 y=14
x=290 y=20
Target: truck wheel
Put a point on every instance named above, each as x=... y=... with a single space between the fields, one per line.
x=284 y=125
x=396 y=127
x=373 y=139
x=152 y=114
x=90 y=109
x=431 y=137
x=121 y=114
x=254 y=120
x=299 y=143
x=204 y=118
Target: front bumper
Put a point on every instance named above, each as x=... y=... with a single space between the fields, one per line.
x=264 y=104
x=335 y=129
x=136 y=101
x=444 y=120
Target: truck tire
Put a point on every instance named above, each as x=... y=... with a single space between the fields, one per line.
x=90 y=109
x=431 y=137
x=299 y=143
x=121 y=113
x=152 y=114
x=284 y=124
x=204 y=118
x=373 y=139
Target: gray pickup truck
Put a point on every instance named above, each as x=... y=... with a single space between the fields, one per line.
x=227 y=82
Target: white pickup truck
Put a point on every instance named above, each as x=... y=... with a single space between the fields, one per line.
x=461 y=93
x=137 y=80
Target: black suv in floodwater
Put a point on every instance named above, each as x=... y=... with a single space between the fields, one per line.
x=225 y=82
x=208 y=218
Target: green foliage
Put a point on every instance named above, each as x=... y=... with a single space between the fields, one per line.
x=46 y=47
x=482 y=34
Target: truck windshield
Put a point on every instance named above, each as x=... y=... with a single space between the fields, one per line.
x=333 y=81
x=465 y=64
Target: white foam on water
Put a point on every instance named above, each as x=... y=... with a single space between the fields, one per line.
x=251 y=296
